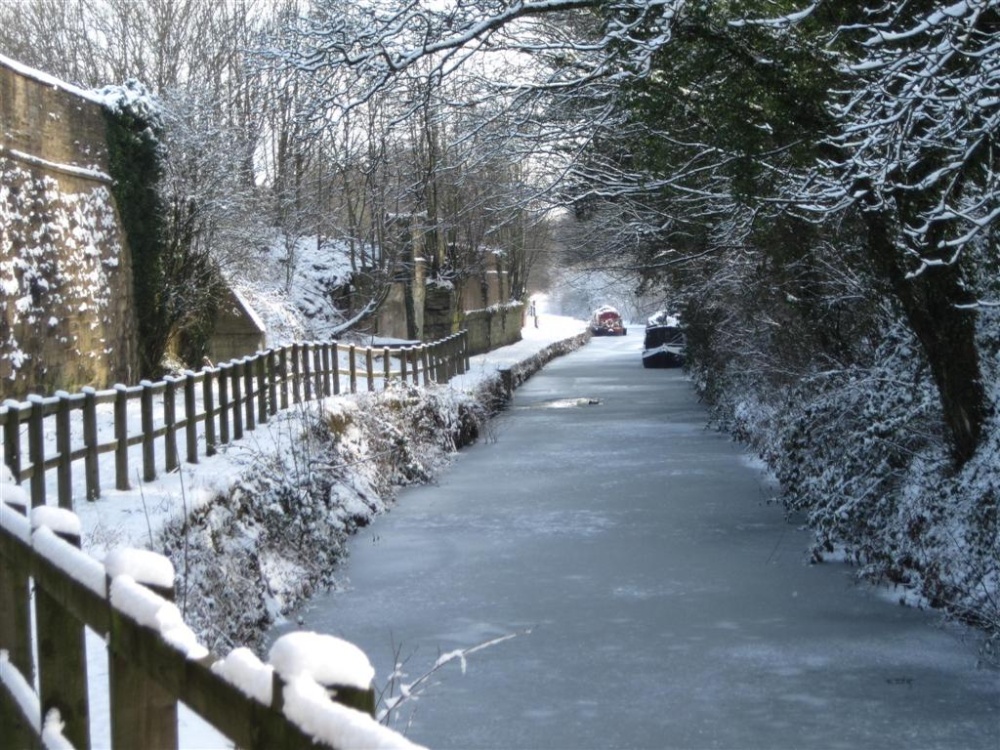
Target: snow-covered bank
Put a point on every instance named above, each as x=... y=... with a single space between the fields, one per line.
x=261 y=525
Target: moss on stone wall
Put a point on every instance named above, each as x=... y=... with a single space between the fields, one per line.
x=135 y=163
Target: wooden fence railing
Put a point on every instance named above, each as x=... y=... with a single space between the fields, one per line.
x=199 y=410
x=154 y=661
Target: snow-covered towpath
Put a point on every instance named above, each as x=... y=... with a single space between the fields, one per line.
x=669 y=606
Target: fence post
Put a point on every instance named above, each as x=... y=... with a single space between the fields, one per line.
x=296 y=396
x=169 y=422
x=260 y=363
x=223 y=381
x=208 y=404
x=190 y=420
x=462 y=369
x=62 y=663
x=148 y=442
x=15 y=605
x=318 y=371
x=352 y=366
x=307 y=370
x=91 y=469
x=236 y=375
x=248 y=394
x=283 y=371
x=369 y=368
x=441 y=360
x=326 y=369
x=273 y=373
x=403 y=354
x=465 y=349
x=64 y=469
x=15 y=635
x=449 y=357
x=12 y=438
x=121 y=437
x=335 y=366
x=143 y=714
x=386 y=369
x=425 y=357
x=36 y=449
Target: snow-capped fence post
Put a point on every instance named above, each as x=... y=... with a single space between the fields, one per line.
x=404 y=352
x=386 y=368
x=64 y=467
x=441 y=361
x=15 y=631
x=121 y=437
x=236 y=376
x=352 y=366
x=208 y=404
x=318 y=370
x=327 y=391
x=36 y=449
x=143 y=712
x=335 y=367
x=223 y=382
x=190 y=418
x=91 y=470
x=296 y=392
x=340 y=668
x=148 y=443
x=282 y=374
x=62 y=654
x=249 y=395
x=260 y=372
x=12 y=438
x=370 y=368
x=15 y=599
x=425 y=362
x=307 y=370
x=170 y=422
x=453 y=355
x=273 y=374
x=460 y=352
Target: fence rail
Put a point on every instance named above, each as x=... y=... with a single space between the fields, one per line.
x=224 y=401
x=153 y=659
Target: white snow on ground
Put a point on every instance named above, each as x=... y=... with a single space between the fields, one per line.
x=133 y=518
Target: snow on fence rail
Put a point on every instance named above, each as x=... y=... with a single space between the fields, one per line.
x=200 y=410
x=154 y=659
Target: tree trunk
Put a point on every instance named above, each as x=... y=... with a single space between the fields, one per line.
x=932 y=303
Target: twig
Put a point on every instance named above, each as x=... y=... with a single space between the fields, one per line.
x=145 y=510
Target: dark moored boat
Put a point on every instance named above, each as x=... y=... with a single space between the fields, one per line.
x=664 y=343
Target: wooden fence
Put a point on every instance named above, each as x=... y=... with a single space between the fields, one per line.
x=225 y=401
x=151 y=664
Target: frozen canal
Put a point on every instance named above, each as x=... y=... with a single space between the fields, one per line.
x=668 y=605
